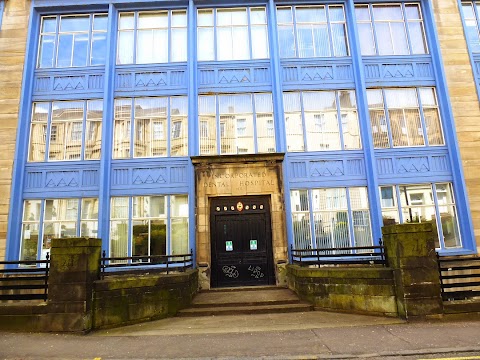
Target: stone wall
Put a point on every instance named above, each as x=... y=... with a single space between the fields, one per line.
x=368 y=290
x=13 y=37
x=121 y=300
x=463 y=96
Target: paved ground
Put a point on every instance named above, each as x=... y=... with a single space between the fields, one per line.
x=312 y=335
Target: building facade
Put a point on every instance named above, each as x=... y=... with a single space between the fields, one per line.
x=238 y=129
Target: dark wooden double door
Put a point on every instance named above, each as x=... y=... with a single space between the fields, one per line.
x=241 y=242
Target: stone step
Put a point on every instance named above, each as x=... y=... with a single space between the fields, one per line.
x=245 y=310
x=245 y=298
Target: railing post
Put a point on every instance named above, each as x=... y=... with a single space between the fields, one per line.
x=167 y=265
x=103 y=264
x=45 y=293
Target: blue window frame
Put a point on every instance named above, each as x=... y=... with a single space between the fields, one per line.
x=236 y=124
x=312 y=31
x=404 y=117
x=470 y=15
x=148 y=119
x=152 y=37
x=74 y=130
x=44 y=220
x=391 y=29
x=2 y=9
x=149 y=225
x=72 y=40
x=417 y=203
x=331 y=217
x=232 y=34
x=321 y=121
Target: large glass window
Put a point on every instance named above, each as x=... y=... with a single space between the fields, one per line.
x=331 y=218
x=433 y=203
x=321 y=120
x=149 y=225
x=404 y=117
x=56 y=218
x=391 y=29
x=312 y=31
x=72 y=40
x=148 y=120
x=236 y=124
x=152 y=37
x=232 y=34
x=470 y=12
x=66 y=130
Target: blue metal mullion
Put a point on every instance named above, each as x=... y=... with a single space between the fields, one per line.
x=364 y=116
x=79 y=217
x=329 y=30
x=422 y=117
x=438 y=219
x=57 y=41
x=108 y=125
x=90 y=40
x=193 y=123
x=133 y=129
x=249 y=30
x=135 y=36
x=304 y=132
x=84 y=130
x=295 y=34
x=254 y=118
x=407 y=28
x=350 y=219
x=387 y=118
x=217 y=119
x=374 y=29
x=399 y=203
x=214 y=14
x=130 y=227
x=339 y=120
x=277 y=94
x=2 y=9
x=451 y=140
x=48 y=130
x=169 y=125
x=40 y=230
x=312 y=218
x=168 y=242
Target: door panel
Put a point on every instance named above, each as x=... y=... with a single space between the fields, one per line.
x=241 y=247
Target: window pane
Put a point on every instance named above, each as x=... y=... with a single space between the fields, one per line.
x=388 y=199
x=259 y=42
x=179 y=50
x=179 y=120
x=99 y=49
x=339 y=38
x=286 y=41
x=125 y=47
x=208 y=127
x=93 y=130
x=80 y=48
x=400 y=45
x=417 y=38
x=365 y=34
x=448 y=216
x=205 y=44
x=65 y=50
x=150 y=115
x=121 y=137
x=46 y=54
x=302 y=238
x=67 y=124
x=119 y=238
x=305 y=41
x=74 y=23
x=349 y=119
x=384 y=39
x=38 y=132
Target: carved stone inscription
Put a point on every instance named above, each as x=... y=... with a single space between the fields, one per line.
x=241 y=179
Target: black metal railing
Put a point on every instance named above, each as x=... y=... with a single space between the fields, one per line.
x=159 y=263
x=459 y=277
x=340 y=255
x=24 y=279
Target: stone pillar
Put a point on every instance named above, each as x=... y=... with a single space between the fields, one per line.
x=410 y=250
x=75 y=265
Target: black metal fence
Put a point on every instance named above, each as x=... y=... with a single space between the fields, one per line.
x=459 y=277
x=134 y=264
x=341 y=255
x=24 y=280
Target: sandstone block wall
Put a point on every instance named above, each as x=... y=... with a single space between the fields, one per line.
x=13 y=38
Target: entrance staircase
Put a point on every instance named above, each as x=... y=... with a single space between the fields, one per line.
x=245 y=300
